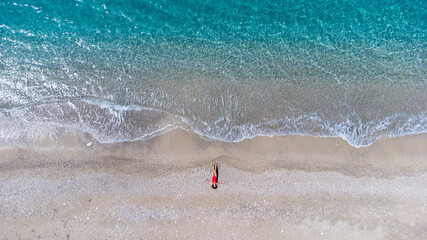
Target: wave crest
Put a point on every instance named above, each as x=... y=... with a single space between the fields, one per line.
x=110 y=123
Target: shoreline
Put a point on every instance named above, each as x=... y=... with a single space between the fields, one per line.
x=288 y=187
x=183 y=148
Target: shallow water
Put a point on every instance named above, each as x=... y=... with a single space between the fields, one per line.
x=129 y=70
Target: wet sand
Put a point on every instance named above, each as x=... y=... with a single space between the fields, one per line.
x=290 y=187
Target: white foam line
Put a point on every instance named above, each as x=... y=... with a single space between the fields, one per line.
x=360 y=136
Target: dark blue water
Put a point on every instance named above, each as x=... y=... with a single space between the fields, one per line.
x=227 y=70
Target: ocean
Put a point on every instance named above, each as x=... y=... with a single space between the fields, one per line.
x=226 y=70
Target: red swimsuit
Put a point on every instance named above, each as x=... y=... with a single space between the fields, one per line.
x=213 y=179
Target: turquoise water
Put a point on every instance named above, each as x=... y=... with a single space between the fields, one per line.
x=227 y=70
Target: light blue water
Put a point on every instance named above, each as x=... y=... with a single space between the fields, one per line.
x=227 y=70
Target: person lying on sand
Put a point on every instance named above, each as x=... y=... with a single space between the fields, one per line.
x=214 y=175
x=214 y=183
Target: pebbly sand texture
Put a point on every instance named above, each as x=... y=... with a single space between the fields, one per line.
x=289 y=187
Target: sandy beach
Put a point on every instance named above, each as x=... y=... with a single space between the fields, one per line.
x=290 y=187
x=112 y=114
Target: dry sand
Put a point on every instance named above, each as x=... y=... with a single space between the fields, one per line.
x=289 y=187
